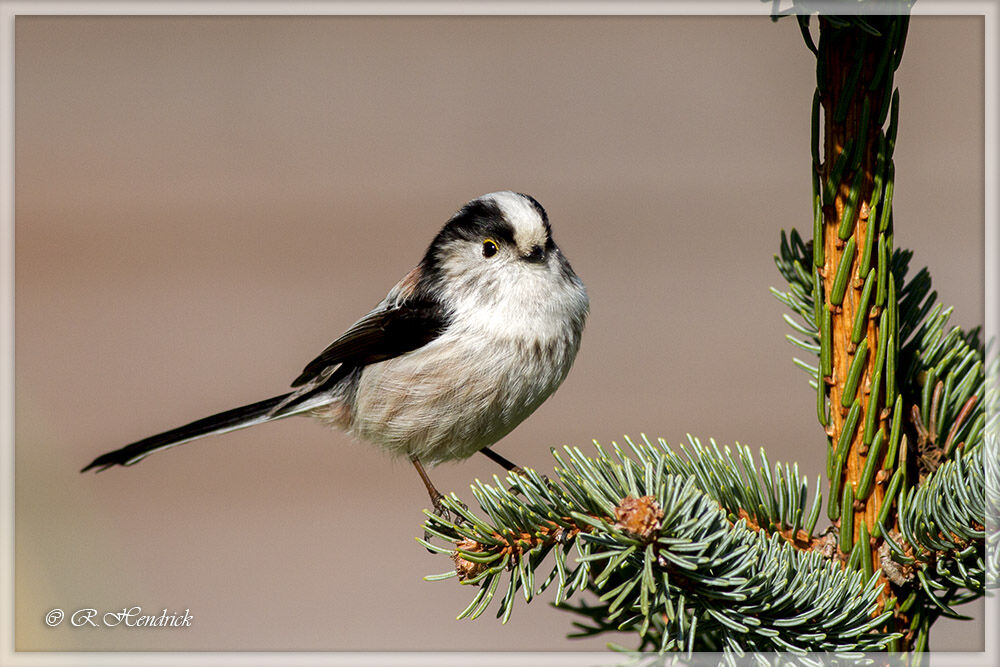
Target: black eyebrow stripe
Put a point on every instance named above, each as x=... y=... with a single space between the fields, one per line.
x=476 y=220
x=541 y=212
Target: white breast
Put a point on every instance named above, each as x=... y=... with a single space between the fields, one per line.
x=475 y=383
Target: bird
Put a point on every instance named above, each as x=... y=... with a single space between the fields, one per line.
x=460 y=351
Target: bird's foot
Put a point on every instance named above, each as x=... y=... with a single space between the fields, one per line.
x=442 y=511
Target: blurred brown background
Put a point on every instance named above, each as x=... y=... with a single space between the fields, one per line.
x=202 y=204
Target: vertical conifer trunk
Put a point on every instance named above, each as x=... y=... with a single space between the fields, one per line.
x=852 y=256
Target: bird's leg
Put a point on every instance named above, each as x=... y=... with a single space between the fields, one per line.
x=431 y=491
x=436 y=496
x=507 y=464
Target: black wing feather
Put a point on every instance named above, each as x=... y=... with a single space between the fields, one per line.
x=380 y=335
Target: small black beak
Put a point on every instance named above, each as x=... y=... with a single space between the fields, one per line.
x=537 y=255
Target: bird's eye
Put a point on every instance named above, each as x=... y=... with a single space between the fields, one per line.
x=489 y=248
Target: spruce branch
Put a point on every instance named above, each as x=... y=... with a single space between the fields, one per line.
x=689 y=552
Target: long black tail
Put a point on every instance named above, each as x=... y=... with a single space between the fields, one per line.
x=230 y=420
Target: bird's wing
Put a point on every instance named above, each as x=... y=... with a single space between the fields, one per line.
x=403 y=322
x=380 y=335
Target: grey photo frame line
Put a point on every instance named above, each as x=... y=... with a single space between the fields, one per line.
x=133 y=327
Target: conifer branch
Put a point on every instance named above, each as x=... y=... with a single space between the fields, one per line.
x=665 y=544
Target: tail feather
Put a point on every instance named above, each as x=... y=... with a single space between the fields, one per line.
x=230 y=420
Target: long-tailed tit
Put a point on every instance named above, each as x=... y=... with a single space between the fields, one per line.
x=459 y=352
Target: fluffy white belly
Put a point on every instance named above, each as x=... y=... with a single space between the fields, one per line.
x=450 y=399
